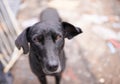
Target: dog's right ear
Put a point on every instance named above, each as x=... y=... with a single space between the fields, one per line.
x=22 y=41
x=70 y=30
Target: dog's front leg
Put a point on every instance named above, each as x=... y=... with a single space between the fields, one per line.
x=42 y=79
x=58 y=78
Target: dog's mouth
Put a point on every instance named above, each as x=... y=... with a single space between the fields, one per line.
x=46 y=71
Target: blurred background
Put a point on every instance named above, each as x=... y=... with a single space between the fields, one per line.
x=93 y=57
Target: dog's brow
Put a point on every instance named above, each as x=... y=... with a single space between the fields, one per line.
x=56 y=31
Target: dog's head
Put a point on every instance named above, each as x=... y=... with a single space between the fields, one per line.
x=46 y=42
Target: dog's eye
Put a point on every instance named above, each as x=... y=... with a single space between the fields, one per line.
x=58 y=37
x=35 y=39
x=38 y=39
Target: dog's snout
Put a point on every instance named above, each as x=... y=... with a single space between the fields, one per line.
x=52 y=65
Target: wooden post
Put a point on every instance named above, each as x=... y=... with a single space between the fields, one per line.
x=8 y=32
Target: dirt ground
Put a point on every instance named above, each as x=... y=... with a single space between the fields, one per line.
x=92 y=57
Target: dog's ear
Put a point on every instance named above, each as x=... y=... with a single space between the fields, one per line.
x=70 y=31
x=22 y=41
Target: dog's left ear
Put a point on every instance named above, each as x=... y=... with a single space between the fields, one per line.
x=70 y=31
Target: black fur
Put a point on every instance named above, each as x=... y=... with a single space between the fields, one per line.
x=5 y=78
x=46 y=40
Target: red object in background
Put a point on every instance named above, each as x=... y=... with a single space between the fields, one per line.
x=115 y=43
x=70 y=73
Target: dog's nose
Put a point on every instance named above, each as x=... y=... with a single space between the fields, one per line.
x=52 y=66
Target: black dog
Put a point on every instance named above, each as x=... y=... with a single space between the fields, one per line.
x=5 y=78
x=2 y=75
x=46 y=40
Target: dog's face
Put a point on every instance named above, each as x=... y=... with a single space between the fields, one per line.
x=46 y=42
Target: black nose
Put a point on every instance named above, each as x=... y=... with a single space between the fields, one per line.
x=52 y=66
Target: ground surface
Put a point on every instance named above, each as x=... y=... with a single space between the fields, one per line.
x=92 y=57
